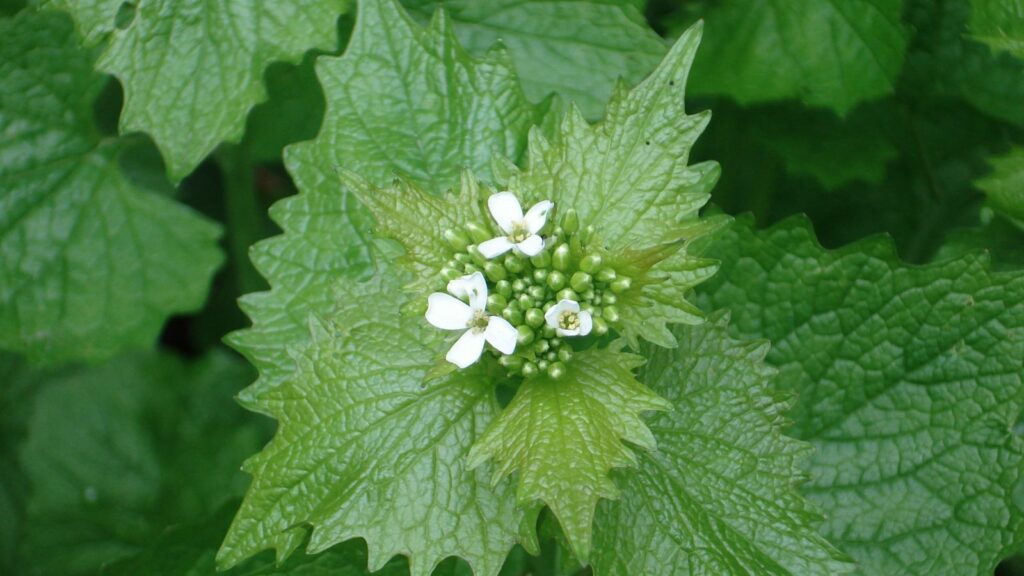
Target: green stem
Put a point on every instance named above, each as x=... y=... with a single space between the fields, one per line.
x=243 y=214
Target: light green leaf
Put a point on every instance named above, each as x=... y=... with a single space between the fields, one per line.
x=1000 y=24
x=372 y=128
x=1005 y=185
x=117 y=451
x=89 y=263
x=575 y=48
x=192 y=69
x=830 y=54
x=718 y=495
x=564 y=436
x=628 y=178
x=366 y=449
x=909 y=381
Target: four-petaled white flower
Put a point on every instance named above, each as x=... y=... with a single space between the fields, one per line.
x=449 y=313
x=568 y=320
x=520 y=231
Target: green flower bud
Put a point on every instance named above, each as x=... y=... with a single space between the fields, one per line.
x=606 y=275
x=586 y=234
x=587 y=307
x=611 y=314
x=525 y=336
x=529 y=370
x=514 y=264
x=581 y=281
x=556 y=370
x=478 y=232
x=537 y=293
x=558 y=232
x=542 y=365
x=518 y=285
x=540 y=275
x=591 y=262
x=621 y=284
x=512 y=363
x=560 y=259
x=463 y=258
x=514 y=305
x=608 y=298
x=470 y=269
x=551 y=356
x=541 y=346
x=525 y=302
x=534 y=317
x=568 y=294
x=588 y=294
x=450 y=274
x=565 y=354
x=570 y=221
x=457 y=239
x=514 y=317
x=495 y=271
x=503 y=287
x=542 y=260
x=496 y=303
x=556 y=280
x=548 y=331
x=600 y=327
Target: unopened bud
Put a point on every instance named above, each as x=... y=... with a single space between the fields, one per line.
x=495 y=272
x=534 y=317
x=621 y=284
x=590 y=263
x=600 y=327
x=542 y=260
x=570 y=221
x=560 y=259
x=556 y=280
x=611 y=314
x=514 y=264
x=556 y=370
x=457 y=239
x=607 y=275
x=478 y=232
x=524 y=335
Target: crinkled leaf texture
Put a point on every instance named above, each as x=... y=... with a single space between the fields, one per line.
x=576 y=48
x=192 y=69
x=563 y=437
x=909 y=382
x=830 y=54
x=116 y=452
x=718 y=496
x=371 y=127
x=407 y=100
x=628 y=178
x=89 y=263
x=366 y=448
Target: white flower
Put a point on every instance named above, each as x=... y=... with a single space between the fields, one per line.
x=520 y=231
x=449 y=313
x=567 y=319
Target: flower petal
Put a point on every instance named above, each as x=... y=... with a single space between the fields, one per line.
x=494 y=247
x=473 y=287
x=537 y=215
x=467 y=349
x=448 y=312
x=551 y=316
x=586 y=323
x=563 y=332
x=501 y=335
x=531 y=246
x=505 y=210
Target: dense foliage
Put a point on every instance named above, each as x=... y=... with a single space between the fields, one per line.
x=482 y=287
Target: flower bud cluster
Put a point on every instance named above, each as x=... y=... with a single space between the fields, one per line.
x=523 y=290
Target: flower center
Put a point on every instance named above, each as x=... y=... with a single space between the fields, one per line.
x=520 y=232
x=569 y=320
x=479 y=322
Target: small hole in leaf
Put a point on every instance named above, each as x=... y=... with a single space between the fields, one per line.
x=647 y=142
x=671 y=82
